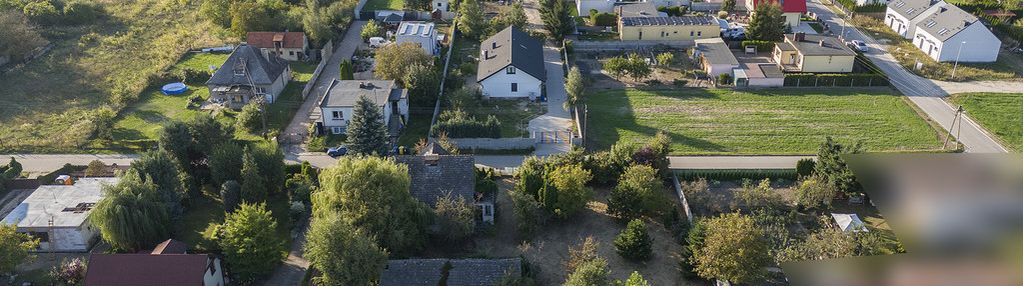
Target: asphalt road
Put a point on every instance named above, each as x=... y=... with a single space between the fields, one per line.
x=927 y=95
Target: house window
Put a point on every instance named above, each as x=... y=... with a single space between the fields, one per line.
x=439 y=5
x=337 y=114
x=510 y=70
x=515 y=87
x=291 y=53
x=700 y=33
x=488 y=210
x=690 y=33
x=336 y=130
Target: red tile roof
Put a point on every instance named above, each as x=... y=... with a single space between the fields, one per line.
x=787 y=6
x=263 y=40
x=146 y=269
x=170 y=246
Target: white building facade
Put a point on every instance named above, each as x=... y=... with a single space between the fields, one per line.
x=903 y=16
x=511 y=83
x=423 y=34
x=339 y=102
x=57 y=215
x=977 y=44
x=511 y=65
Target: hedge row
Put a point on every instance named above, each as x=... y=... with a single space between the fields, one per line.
x=737 y=174
x=869 y=8
x=853 y=79
x=459 y=124
x=762 y=46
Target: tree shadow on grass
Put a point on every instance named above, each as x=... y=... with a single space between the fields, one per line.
x=612 y=111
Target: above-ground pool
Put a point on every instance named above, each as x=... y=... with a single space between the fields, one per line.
x=174 y=88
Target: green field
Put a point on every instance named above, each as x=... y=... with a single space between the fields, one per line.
x=999 y=113
x=373 y=5
x=778 y=121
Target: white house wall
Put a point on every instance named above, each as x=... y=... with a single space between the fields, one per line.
x=910 y=25
x=328 y=119
x=899 y=24
x=981 y=45
x=928 y=44
x=215 y=277
x=499 y=85
x=429 y=44
x=64 y=239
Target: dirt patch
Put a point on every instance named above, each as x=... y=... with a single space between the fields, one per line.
x=548 y=251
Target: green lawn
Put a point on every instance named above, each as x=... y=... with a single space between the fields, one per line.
x=208 y=208
x=373 y=5
x=418 y=128
x=999 y=113
x=778 y=121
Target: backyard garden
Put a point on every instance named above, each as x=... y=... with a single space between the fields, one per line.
x=784 y=121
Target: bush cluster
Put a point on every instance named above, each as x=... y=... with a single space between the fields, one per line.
x=676 y=11
x=762 y=46
x=737 y=174
x=603 y=19
x=194 y=76
x=852 y=79
x=459 y=124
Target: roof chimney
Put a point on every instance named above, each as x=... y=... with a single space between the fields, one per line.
x=362 y=84
x=799 y=36
x=820 y=42
x=486 y=54
x=493 y=45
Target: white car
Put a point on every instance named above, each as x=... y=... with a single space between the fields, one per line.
x=859 y=45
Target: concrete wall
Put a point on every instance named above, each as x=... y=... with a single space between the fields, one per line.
x=831 y=64
x=494 y=143
x=628 y=45
x=499 y=85
x=325 y=54
x=981 y=45
x=64 y=239
x=687 y=32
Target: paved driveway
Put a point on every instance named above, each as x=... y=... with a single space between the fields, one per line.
x=927 y=95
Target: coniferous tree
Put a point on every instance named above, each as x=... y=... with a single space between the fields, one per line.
x=768 y=23
x=226 y=162
x=158 y=166
x=557 y=19
x=230 y=195
x=253 y=183
x=346 y=71
x=634 y=242
x=470 y=19
x=366 y=133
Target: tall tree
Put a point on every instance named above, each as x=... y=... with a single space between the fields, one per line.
x=270 y=158
x=455 y=218
x=346 y=71
x=590 y=273
x=14 y=247
x=768 y=23
x=253 y=182
x=636 y=193
x=557 y=18
x=423 y=84
x=373 y=194
x=366 y=133
x=813 y=193
x=231 y=195
x=733 y=250
x=572 y=194
x=226 y=162
x=728 y=5
x=344 y=254
x=470 y=19
x=163 y=170
x=371 y=29
x=393 y=61
x=250 y=242
x=131 y=215
x=216 y=11
x=574 y=85
x=20 y=36
x=832 y=169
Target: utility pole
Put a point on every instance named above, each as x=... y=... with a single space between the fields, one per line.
x=958 y=118
x=960 y=51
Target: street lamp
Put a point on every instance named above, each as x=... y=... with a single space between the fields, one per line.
x=956 y=65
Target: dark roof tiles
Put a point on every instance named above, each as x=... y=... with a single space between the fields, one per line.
x=511 y=46
x=248 y=63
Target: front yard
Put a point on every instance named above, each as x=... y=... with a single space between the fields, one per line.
x=999 y=113
x=781 y=121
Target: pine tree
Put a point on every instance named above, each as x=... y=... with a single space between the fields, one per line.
x=366 y=133
x=470 y=19
x=768 y=23
x=346 y=72
x=251 y=245
x=253 y=184
x=230 y=195
x=634 y=242
x=556 y=17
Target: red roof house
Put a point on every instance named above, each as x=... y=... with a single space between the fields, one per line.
x=167 y=264
x=290 y=46
x=787 y=6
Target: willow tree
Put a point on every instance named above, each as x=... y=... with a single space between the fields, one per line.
x=131 y=216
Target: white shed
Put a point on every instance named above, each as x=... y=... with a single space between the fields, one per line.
x=849 y=222
x=58 y=215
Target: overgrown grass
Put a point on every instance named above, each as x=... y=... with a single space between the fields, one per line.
x=372 y=5
x=907 y=55
x=47 y=106
x=780 y=121
x=999 y=113
x=418 y=128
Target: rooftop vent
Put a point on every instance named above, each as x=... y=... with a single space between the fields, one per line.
x=366 y=85
x=799 y=36
x=431 y=159
x=820 y=42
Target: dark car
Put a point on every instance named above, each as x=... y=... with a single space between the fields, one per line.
x=338 y=151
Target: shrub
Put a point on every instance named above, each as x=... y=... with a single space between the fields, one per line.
x=724 y=79
x=675 y=11
x=42 y=12
x=194 y=76
x=69 y=272
x=679 y=82
x=762 y=46
x=459 y=124
x=804 y=167
x=851 y=79
x=634 y=242
x=603 y=19
x=81 y=12
x=636 y=192
x=249 y=119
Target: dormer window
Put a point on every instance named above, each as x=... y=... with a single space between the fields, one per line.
x=911 y=10
x=943 y=31
x=900 y=4
x=510 y=70
x=931 y=23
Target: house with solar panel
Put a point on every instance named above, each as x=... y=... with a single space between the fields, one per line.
x=420 y=33
x=58 y=215
x=511 y=65
x=943 y=31
x=643 y=22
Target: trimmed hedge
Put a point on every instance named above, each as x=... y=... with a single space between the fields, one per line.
x=762 y=46
x=459 y=124
x=830 y=79
x=737 y=174
x=603 y=19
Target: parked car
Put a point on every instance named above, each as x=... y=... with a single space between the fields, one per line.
x=859 y=45
x=376 y=42
x=338 y=151
x=734 y=33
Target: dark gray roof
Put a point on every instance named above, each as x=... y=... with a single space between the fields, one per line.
x=347 y=92
x=946 y=22
x=434 y=176
x=669 y=21
x=260 y=70
x=810 y=46
x=511 y=46
x=645 y=9
x=475 y=272
x=463 y=272
x=412 y=272
x=717 y=52
x=910 y=8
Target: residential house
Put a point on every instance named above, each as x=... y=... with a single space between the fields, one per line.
x=420 y=33
x=643 y=22
x=511 y=65
x=951 y=34
x=248 y=74
x=450 y=272
x=801 y=52
x=339 y=101
x=436 y=173
x=715 y=57
x=793 y=10
x=903 y=16
x=168 y=264
x=290 y=46
x=608 y=6
x=57 y=215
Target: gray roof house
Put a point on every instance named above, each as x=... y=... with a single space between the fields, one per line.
x=338 y=103
x=943 y=31
x=450 y=272
x=435 y=172
x=511 y=65
x=248 y=74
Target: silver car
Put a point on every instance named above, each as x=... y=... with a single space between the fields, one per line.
x=859 y=45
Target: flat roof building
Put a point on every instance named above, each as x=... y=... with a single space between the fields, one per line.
x=58 y=215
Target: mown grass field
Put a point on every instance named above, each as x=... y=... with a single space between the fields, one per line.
x=999 y=113
x=372 y=5
x=47 y=105
x=778 y=121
